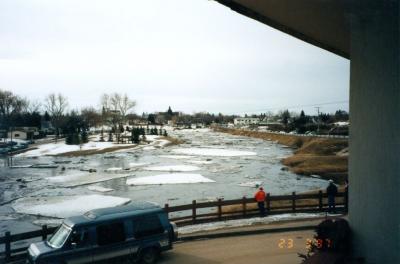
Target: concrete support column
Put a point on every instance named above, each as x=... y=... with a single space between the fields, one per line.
x=374 y=170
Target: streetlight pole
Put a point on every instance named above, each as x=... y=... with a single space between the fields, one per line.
x=318 y=107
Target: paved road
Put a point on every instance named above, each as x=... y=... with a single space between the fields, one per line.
x=258 y=249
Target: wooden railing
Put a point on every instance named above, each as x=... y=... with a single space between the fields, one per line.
x=203 y=212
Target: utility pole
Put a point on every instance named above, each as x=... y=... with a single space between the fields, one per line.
x=318 y=107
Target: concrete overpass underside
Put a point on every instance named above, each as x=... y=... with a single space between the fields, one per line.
x=367 y=33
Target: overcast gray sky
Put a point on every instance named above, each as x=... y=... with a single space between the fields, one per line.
x=194 y=55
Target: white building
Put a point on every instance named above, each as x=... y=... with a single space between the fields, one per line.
x=246 y=121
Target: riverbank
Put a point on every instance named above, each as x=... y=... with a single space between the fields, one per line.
x=325 y=157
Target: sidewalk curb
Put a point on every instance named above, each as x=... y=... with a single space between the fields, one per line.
x=246 y=233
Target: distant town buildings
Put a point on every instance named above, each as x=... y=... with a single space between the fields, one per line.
x=246 y=121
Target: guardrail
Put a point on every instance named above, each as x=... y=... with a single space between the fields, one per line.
x=219 y=210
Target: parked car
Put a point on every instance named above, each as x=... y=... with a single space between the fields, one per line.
x=4 y=151
x=140 y=231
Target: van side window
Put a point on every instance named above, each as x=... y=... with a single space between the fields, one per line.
x=80 y=238
x=146 y=226
x=110 y=233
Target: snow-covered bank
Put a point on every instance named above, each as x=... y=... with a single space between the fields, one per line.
x=65 y=206
x=172 y=178
x=245 y=222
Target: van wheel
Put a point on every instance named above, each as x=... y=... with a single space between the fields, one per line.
x=150 y=256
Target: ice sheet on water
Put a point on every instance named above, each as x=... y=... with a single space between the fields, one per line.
x=252 y=184
x=182 y=168
x=65 y=206
x=100 y=189
x=137 y=164
x=82 y=178
x=214 y=152
x=113 y=169
x=179 y=157
x=61 y=147
x=171 y=178
x=200 y=162
x=245 y=222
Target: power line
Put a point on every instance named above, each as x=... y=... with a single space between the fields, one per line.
x=294 y=106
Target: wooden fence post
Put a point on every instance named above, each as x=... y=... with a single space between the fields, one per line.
x=244 y=206
x=294 y=202
x=320 y=197
x=44 y=232
x=219 y=209
x=268 y=203
x=166 y=209
x=194 y=211
x=8 y=246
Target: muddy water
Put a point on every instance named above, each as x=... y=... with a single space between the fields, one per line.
x=260 y=162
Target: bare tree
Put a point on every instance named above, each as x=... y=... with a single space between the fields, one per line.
x=56 y=106
x=125 y=105
x=90 y=116
x=10 y=103
x=33 y=106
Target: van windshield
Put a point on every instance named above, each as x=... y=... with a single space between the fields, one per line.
x=59 y=237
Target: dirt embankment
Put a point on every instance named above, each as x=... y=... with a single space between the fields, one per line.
x=326 y=157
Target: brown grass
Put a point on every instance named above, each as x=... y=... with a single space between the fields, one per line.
x=312 y=155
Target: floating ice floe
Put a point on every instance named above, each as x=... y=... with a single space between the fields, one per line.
x=200 y=162
x=137 y=164
x=252 y=184
x=214 y=152
x=182 y=168
x=65 y=206
x=179 y=157
x=61 y=147
x=245 y=222
x=100 y=189
x=82 y=178
x=113 y=169
x=172 y=178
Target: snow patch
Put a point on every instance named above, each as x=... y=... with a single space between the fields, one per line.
x=172 y=178
x=65 y=206
x=245 y=222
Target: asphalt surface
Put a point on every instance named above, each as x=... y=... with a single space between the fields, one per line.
x=277 y=248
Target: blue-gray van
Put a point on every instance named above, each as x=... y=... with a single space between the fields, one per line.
x=139 y=231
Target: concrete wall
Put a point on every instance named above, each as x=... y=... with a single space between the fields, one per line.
x=374 y=170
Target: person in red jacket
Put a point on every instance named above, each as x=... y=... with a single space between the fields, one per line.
x=260 y=199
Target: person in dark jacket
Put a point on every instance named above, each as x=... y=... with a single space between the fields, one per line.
x=331 y=191
x=260 y=199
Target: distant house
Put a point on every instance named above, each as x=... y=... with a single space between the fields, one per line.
x=46 y=126
x=246 y=121
x=24 y=133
